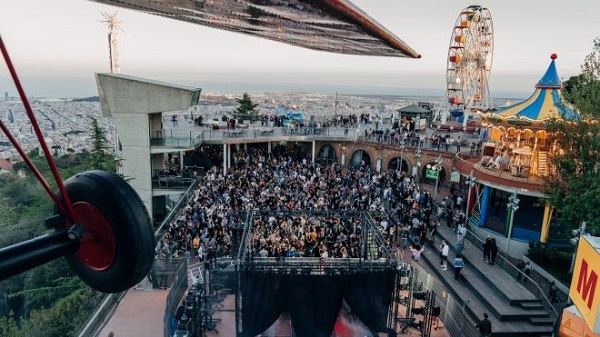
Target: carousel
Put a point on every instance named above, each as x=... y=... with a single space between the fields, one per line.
x=517 y=152
x=517 y=133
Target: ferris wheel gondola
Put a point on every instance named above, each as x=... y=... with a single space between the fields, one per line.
x=469 y=63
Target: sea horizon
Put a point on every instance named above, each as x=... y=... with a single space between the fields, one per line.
x=232 y=87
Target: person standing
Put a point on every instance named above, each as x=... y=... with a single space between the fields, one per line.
x=485 y=326
x=460 y=244
x=449 y=217
x=487 y=249
x=462 y=230
x=416 y=252
x=458 y=266
x=444 y=255
x=527 y=270
x=493 y=251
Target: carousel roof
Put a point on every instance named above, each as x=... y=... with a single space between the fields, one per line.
x=545 y=103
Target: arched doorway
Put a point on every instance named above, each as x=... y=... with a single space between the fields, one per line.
x=395 y=164
x=327 y=154
x=360 y=158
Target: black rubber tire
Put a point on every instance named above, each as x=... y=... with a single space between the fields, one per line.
x=130 y=224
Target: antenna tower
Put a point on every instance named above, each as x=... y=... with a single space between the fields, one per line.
x=113 y=26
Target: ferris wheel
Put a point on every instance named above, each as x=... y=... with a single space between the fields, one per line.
x=469 y=63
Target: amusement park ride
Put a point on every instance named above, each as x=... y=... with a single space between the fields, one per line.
x=469 y=63
x=100 y=225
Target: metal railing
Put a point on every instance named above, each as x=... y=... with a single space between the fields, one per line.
x=172 y=182
x=190 y=137
x=245 y=250
x=185 y=197
x=518 y=274
x=383 y=244
x=315 y=265
x=101 y=315
x=453 y=308
x=311 y=265
x=178 y=288
x=487 y=174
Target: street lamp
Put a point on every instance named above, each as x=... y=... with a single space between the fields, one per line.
x=438 y=169
x=513 y=205
x=418 y=157
x=575 y=242
x=399 y=164
x=471 y=182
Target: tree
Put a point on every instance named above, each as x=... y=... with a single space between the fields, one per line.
x=41 y=296
x=100 y=159
x=574 y=186
x=247 y=107
x=583 y=90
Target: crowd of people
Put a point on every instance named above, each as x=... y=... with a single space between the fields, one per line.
x=307 y=235
x=261 y=181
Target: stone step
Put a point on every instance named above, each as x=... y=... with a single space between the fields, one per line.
x=531 y=305
x=488 y=295
x=541 y=321
x=475 y=306
x=505 y=285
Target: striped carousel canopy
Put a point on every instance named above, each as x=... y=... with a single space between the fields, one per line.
x=545 y=103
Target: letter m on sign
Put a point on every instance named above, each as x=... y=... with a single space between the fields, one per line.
x=586 y=285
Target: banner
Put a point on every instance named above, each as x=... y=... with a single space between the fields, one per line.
x=431 y=173
x=585 y=290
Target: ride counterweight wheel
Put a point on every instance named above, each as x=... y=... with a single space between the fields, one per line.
x=117 y=245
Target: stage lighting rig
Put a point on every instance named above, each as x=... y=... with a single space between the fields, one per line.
x=421 y=295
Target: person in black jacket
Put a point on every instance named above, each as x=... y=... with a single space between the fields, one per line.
x=487 y=249
x=485 y=326
x=493 y=251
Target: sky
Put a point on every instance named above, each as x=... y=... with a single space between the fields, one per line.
x=57 y=46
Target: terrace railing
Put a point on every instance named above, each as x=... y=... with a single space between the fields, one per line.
x=515 y=272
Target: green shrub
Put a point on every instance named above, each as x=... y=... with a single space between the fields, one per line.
x=552 y=260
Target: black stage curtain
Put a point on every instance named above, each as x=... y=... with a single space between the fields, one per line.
x=263 y=300
x=368 y=296
x=314 y=303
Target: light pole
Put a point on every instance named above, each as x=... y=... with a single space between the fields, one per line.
x=418 y=157
x=399 y=164
x=434 y=169
x=438 y=169
x=575 y=241
x=471 y=182
x=513 y=205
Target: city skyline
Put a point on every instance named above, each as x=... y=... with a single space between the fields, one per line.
x=56 y=53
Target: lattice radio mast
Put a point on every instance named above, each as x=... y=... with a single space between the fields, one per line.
x=113 y=27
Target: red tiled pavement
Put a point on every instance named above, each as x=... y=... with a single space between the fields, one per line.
x=139 y=314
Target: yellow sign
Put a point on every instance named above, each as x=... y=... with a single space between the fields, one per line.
x=572 y=325
x=585 y=288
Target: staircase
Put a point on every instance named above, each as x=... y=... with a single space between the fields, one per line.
x=513 y=309
x=372 y=246
x=542 y=169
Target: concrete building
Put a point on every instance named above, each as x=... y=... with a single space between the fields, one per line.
x=136 y=106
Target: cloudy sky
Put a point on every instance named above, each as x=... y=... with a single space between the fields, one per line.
x=58 y=45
